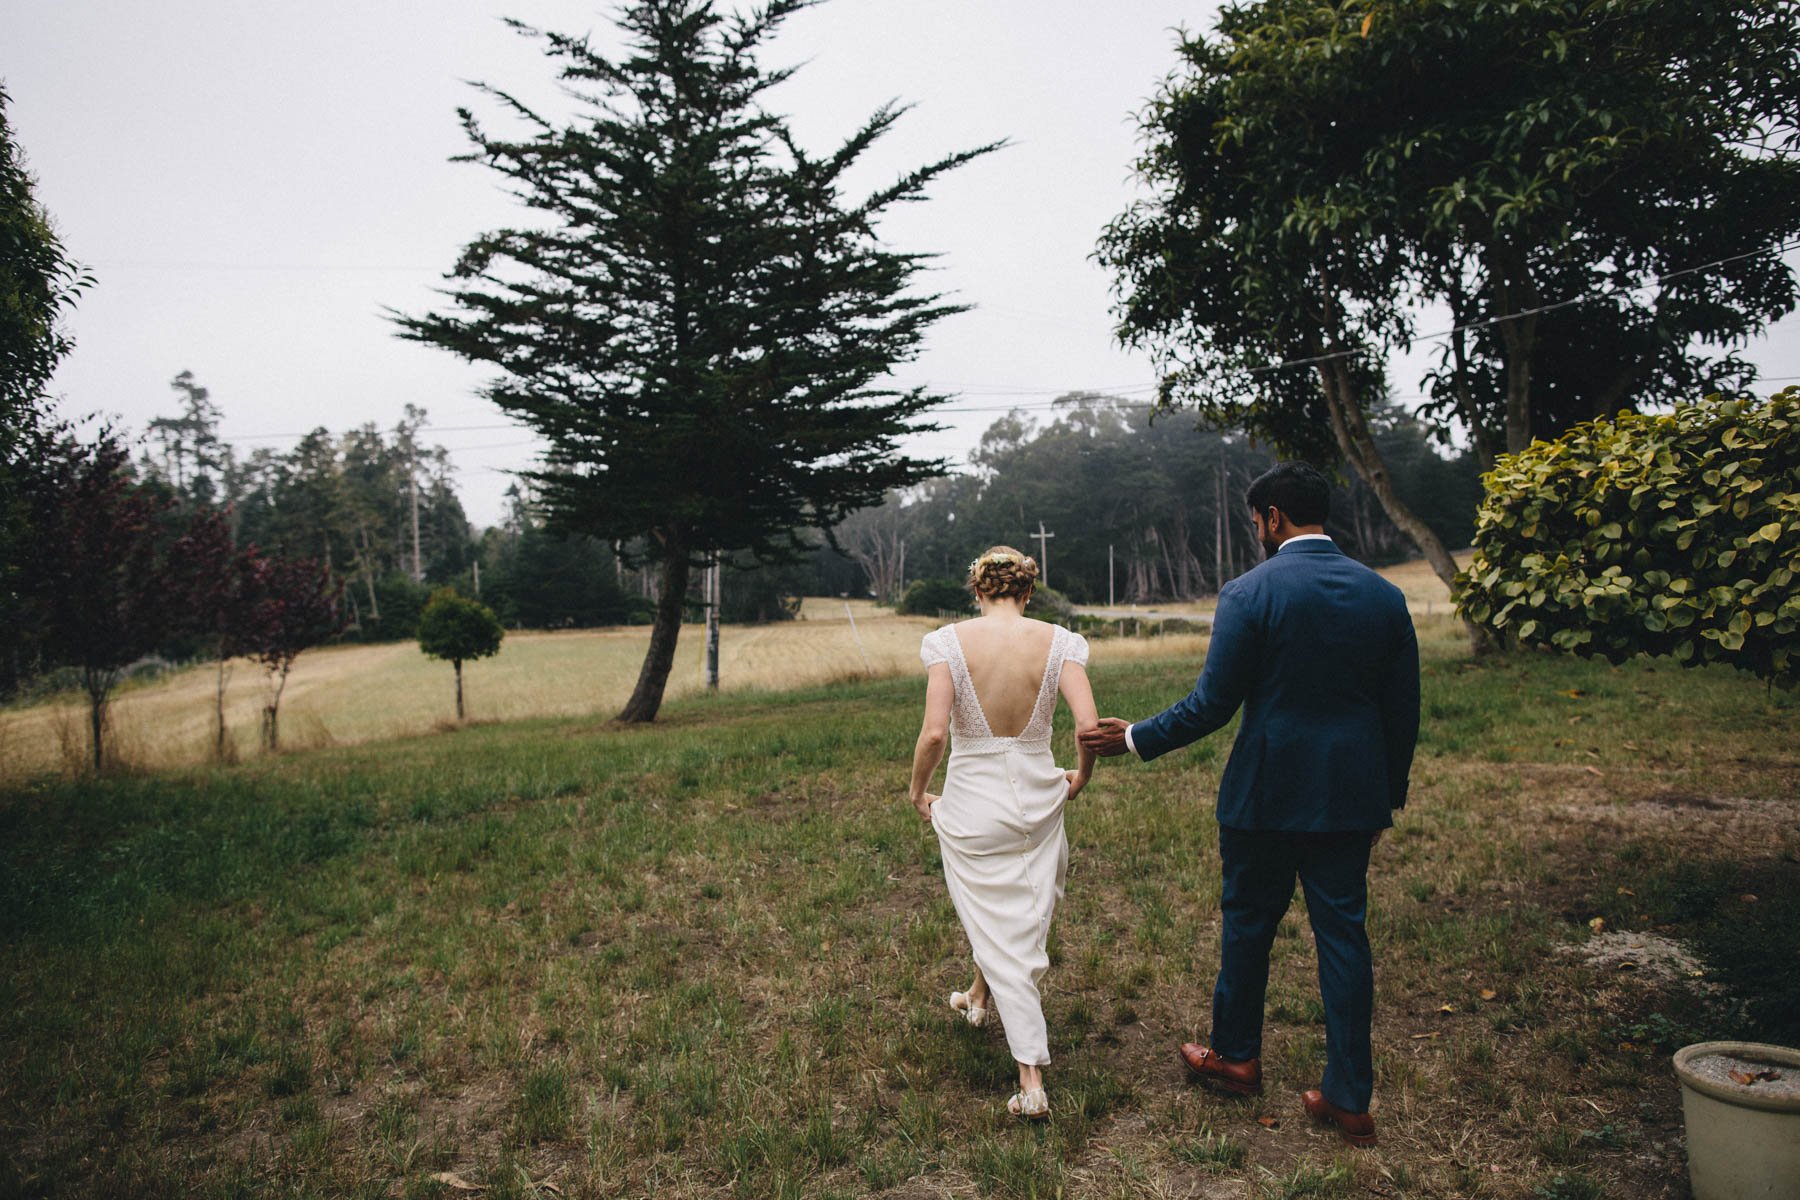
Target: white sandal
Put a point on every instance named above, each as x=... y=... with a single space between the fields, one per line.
x=972 y=1012
x=1033 y=1105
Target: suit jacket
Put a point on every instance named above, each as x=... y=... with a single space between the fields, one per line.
x=1320 y=652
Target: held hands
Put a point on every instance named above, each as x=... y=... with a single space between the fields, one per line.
x=923 y=802
x=1077 y=781
x=1106 y=739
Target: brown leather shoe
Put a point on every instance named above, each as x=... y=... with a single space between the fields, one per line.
x=1356 y=1128
x=1238 y=1078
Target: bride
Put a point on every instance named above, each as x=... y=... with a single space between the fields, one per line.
x=991 y=686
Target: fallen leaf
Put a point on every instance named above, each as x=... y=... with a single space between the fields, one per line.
x=1488 y=993
x=1747 y=898
x=1268 y=1122
x=1748 y=1079
x=1625 y=964
x=451 y=1179
x=1696 y=974
x=1629 y=745
x=1427 y=1037
x=546 y=1186
x=1367 y=21
x=1573 y=693
x=1594 y=771
x=1626 y=892
x=1446 y=1008
x=1598 y=924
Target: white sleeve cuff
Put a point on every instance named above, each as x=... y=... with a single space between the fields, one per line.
x=1128 y=744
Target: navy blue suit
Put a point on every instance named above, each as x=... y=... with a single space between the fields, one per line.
x=1319 y=652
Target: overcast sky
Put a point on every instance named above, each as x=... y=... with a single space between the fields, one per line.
x=253 y=183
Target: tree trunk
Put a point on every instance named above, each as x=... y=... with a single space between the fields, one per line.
x=457 y=663
x=219 y=709
x=271 y=730
x=647 y=696
x=1465 y=404
x=97 y=721
x=1515 y=294
x=1357 y=444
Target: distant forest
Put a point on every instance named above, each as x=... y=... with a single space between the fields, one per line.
x=1166 y=498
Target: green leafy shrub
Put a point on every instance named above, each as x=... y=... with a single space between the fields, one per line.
x=1673 y=535
x=929 y=597
x=1048 y=604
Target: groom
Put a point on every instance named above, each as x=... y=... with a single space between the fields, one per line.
x=1320 y=652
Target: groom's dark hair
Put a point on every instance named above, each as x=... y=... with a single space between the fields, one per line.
x=1296 y=489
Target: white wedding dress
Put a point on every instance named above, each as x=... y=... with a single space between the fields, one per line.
x=1000 y=829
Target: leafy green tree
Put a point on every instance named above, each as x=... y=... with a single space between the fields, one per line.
x=1320 y=170
x=38 y=285
x=696 y=320
x=1518 y=155
x=456 y=629
x=1673 y=535
x=1241 y=260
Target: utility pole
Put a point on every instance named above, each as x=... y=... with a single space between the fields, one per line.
x=1043 y=541
x=712 y=623
x=412 y=482
x=1109 y=576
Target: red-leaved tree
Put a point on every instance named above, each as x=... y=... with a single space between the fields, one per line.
x=232 y=604
x=111 y=572
x=290 y=605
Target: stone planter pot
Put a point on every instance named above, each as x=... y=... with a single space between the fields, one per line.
x=1742 y=1144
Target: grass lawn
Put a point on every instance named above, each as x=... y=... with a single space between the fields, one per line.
x=559 y=957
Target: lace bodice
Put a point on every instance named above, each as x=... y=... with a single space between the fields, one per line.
x=969 y=730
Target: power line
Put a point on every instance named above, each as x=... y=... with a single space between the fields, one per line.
x=203 y=266
x=1775 y=247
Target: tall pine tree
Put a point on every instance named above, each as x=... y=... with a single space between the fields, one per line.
x=699 y=323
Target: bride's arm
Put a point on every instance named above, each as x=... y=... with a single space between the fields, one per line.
x=929 y=751
x=1080 y=695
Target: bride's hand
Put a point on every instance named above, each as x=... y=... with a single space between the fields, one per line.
x=923 y=803
x=1077 y=781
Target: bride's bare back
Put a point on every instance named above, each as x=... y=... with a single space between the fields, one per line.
x=1006 y=656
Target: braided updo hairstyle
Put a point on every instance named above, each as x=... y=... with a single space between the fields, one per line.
x=1002 y=573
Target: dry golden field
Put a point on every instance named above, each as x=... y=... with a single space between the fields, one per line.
x=348 y=694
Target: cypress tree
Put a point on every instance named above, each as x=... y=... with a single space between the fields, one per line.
x=697 y=321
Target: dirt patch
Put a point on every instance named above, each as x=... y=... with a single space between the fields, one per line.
x=1649 y=956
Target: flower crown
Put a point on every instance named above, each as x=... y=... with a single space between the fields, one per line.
x=998 y=557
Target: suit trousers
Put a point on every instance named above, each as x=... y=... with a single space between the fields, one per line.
x=1259 y=871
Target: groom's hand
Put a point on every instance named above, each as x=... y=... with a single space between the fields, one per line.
x=1106 y=739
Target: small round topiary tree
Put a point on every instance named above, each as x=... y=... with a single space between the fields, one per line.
x=1674 y=534
x=456 y=629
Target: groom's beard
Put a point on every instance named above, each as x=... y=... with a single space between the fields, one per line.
x=1269 y=546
